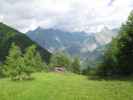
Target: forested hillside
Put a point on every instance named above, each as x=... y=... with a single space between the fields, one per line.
x=9 y=35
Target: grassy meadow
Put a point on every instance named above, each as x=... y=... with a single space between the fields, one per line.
x=65 y=86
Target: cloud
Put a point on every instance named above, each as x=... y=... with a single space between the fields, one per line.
x=71 y=15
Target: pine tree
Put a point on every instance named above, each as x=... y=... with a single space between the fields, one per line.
x=19 y=66
x=29 y=59
x=33 y=60
x=40 y=65
x=12 y=65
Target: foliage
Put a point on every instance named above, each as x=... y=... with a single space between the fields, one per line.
x=29 y=59
x=9 y=35
x=60 y=59
x=118 y=58
x=109 y=64
x=33 y=60
x=19 y=66
x=40 y=64
x=14 y=62
x=125 y=44
x=75 y=66
x=1 y=71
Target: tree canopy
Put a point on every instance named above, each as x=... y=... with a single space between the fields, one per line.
x=118 y=59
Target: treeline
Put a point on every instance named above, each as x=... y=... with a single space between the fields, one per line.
x=61 y=59
x=118 y=59
x=19 y=65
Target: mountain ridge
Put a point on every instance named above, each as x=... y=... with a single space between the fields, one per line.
x=54 y=39
x=74 y=43
x=9 y=35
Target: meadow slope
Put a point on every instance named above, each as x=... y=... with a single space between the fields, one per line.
x=55 y=86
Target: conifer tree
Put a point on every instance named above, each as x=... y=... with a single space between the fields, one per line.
x=33 y=60
x=12 y=64
x=40 y=65
x=29 y=59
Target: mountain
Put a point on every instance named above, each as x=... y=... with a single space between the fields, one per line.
x=103 y=39
x=9 y=35
x=105 y=35
x=89 y=46
x=55 y=40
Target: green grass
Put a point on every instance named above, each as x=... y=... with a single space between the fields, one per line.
x=55 y=86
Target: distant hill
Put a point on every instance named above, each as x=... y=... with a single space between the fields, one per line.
x=9 y=35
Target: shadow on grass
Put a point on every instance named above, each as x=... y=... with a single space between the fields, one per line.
x=18 y=79
x=22 y=79
x=111 y=78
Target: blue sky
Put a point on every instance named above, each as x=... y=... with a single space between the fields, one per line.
x=70 y=15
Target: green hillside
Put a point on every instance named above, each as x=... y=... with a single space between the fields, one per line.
x=9 y=35
x=57 y=86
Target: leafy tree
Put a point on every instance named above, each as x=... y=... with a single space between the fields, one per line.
x=75 y=66
x=118 y=58
x=60 y=59
x=110 y=63
x=125 y=47
x=85 y=68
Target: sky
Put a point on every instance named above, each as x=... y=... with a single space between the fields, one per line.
x=70 y=15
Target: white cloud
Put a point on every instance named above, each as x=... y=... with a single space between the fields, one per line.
x=72 y=15
x=1 y=18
